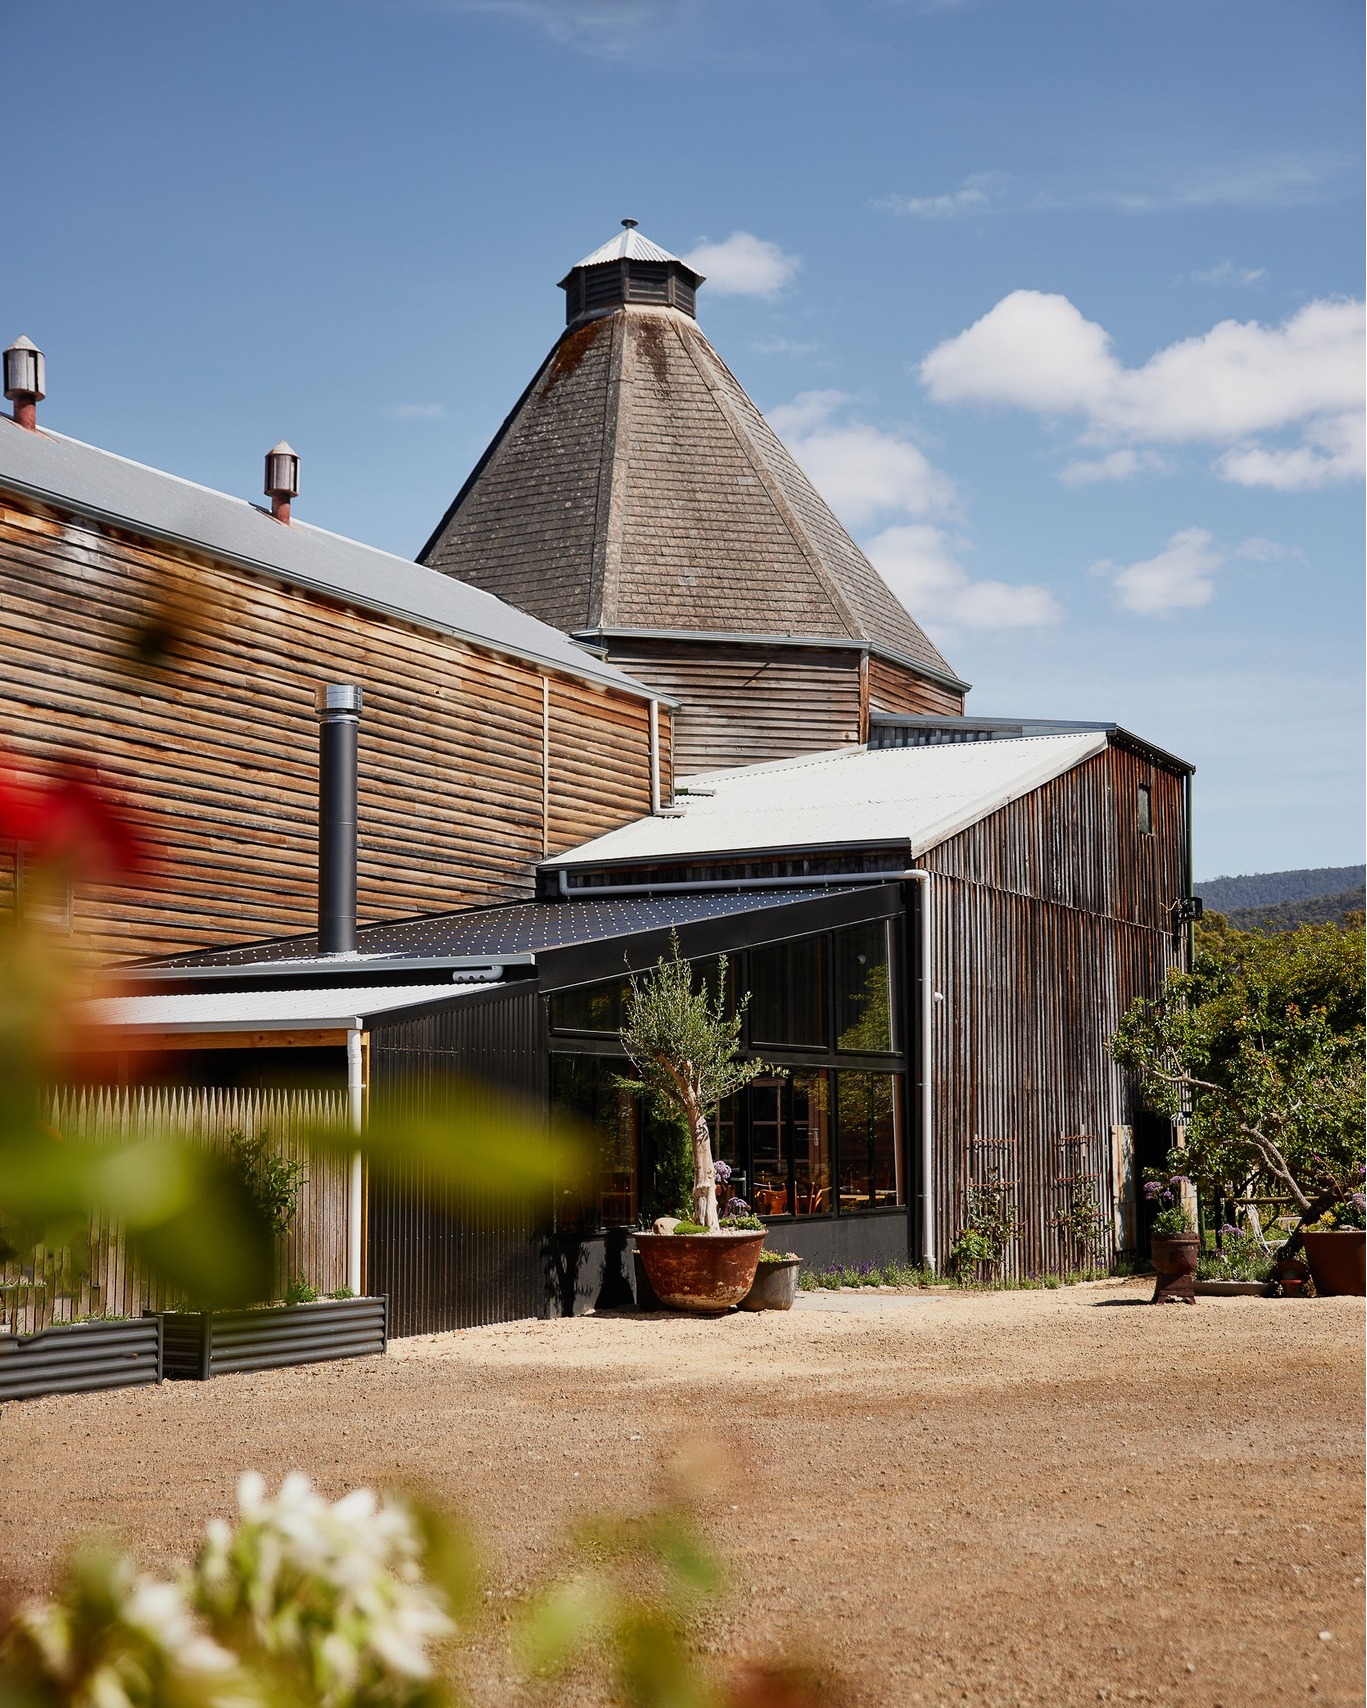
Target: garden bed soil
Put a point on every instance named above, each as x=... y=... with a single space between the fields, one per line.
x=947 y=1497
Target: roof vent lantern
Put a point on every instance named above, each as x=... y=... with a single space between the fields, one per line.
x=629 y=268
x=282 y=479
x=25 y=381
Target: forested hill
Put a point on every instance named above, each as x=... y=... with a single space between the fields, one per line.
x=1271 y=889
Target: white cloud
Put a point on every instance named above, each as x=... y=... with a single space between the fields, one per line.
x=976 y=192
x=611 y=29
x=1226 y=272
x=918 y=562
x=1180 y=578
x=416 y=411
x=1115 y=465
x=864 y=473
x=743 y=265
x=1037 y=352
x=1334 y=451
x=785 y=347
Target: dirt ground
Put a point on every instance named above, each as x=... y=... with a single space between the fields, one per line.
x=1037 y=1497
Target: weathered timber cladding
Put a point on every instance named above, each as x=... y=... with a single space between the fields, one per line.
x=443 y=1261
x=895 y=689
x=1049 y=918
x=746 y=705
x=217 y=745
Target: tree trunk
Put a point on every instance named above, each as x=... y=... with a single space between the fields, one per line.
x=704 y=1175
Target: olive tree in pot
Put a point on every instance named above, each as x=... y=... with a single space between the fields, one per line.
x=682 y=1039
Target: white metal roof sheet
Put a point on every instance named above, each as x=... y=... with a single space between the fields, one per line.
x=630 y=245
x=70 y=475
x=265 y=1010
x=922 y=795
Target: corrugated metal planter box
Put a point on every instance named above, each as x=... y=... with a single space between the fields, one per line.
x=80 y=1357
x=200 y=1344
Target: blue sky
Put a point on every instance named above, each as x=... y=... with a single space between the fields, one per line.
x=1055 y=300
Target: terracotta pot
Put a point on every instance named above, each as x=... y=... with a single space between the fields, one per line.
x=775 y=1286
x=1338 y=1262
x=700 y=1272
x=1174 y=1263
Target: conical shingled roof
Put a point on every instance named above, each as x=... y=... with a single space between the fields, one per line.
x=635 y=486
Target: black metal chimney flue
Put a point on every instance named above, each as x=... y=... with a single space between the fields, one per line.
x=339 y=718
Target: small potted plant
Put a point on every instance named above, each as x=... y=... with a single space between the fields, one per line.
x=1336 y=1248
x=775 y=1285
x=682 y=1039
x=1173 y=1241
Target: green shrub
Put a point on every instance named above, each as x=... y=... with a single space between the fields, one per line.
x=299 y=1292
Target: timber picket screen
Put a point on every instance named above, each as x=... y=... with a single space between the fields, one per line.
x=116 y=1285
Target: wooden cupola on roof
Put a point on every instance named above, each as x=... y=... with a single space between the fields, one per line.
x=637 y=499
x=628 y=269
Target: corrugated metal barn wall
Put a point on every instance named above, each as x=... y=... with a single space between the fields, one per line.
x=442 y=1264
x=1050 y=917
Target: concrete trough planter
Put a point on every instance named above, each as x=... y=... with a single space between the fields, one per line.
x=774 y=1287
x=81 y=1357
x=201 y=1344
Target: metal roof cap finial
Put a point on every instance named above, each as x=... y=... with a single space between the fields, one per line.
x=282 y=479
x=25 y=380
x=631 y=224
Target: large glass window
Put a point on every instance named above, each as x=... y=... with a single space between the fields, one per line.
x=769 y=1152
x=868 y=1141
x=809 y=1101
x=861 y=968
x=590 y=1007
x=788 y=994
x=605 y=1195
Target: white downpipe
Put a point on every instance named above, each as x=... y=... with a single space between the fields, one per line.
x=654 y=756
x=926 y=1066
x=355 y=1105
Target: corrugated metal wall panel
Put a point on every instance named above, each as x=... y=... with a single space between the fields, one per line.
x=443 y=1266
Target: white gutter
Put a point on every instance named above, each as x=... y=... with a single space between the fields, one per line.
x=654 y=756
x=355 y=1109
x=926 y=1067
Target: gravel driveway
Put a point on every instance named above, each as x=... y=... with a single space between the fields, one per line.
x=1037 y=1497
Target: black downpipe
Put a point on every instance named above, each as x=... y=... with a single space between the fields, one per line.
x=339 y=718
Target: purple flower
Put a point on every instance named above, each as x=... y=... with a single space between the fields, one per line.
x=1151 y=1188
x=736 y=1207
x=722 y=1170
x=1229 y=1231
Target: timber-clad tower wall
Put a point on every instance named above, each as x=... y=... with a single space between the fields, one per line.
x=637 y=499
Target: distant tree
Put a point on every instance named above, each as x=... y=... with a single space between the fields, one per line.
x=1258 y=1050
x=682 y=1041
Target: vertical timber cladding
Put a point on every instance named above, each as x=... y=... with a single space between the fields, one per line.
x=748 y=704
x=216 y=739
x=444 y=1261
x=1050 y=917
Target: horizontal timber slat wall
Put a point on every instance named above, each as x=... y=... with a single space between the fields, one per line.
x=314 y=1247
x=895 y=689
x=216 y=741
x=1049 y=918
x=444 y=1262
x=746 y=705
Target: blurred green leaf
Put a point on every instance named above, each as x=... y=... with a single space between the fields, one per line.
x=562 y=1625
